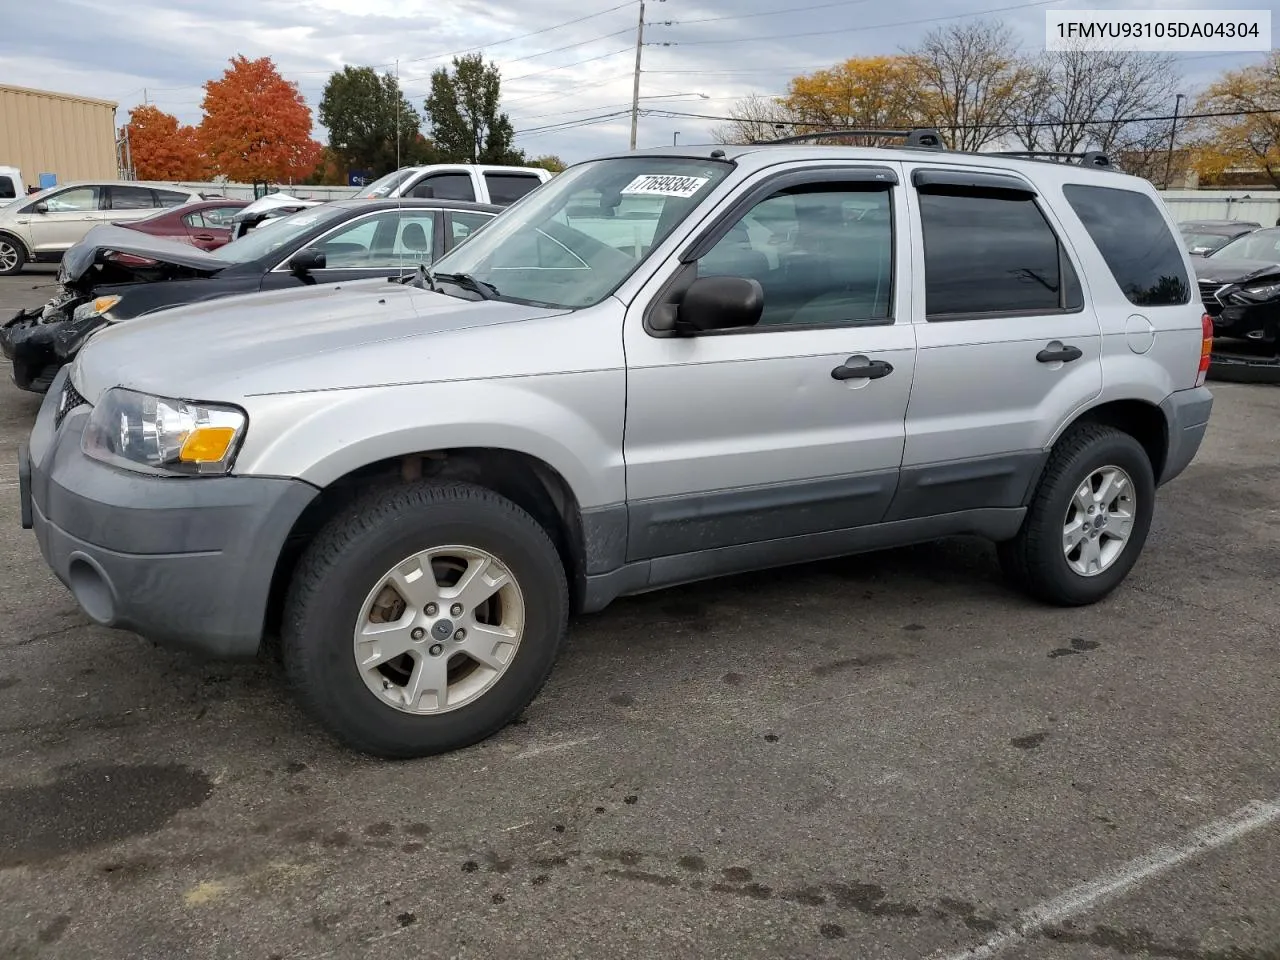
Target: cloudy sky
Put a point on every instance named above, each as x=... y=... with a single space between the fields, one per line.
x=570 y=74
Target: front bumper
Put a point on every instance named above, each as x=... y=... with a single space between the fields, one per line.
x=1186 y=414
x=29 y=345
x=183 y=561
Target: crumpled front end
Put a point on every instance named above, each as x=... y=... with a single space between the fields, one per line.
x=40 y=340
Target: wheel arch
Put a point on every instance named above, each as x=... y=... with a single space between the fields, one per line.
x=531 y=483
x=1146 y=422
x=26 y=250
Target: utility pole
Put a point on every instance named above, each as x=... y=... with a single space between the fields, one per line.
x=635 y=90
x=1173 y=129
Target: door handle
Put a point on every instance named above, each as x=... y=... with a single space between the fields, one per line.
x=1057 y=353
x=860 y=368
x=203 y=236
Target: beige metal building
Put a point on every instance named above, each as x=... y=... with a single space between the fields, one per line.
x=69 y=136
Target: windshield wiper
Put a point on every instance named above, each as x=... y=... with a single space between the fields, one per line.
x=487 y=291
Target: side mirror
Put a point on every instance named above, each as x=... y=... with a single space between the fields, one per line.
x=721 y=303
x=41 y=207
x=307 y=259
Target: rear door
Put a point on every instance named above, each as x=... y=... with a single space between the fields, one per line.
x=210 y=228
x=129 y=203
x=1008 y=350
x=71 y=214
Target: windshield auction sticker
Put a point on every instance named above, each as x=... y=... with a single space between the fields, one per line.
x=659 y=185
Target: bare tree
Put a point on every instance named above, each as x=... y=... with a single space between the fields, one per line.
x=754 y=118
x=972 y=76
x=1098 y=99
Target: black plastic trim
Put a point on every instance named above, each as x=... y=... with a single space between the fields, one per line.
x=604 y=538
x=998 y=482
x=950 y=181
x=646 y=575
x=673 y=525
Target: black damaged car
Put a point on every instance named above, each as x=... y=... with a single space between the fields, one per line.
x=1240 y=286
x=116 y=274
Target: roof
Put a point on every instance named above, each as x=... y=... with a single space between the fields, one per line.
x=410 y=203
x=54 y=95
x=768 y=154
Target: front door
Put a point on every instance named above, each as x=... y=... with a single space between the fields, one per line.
x=71 y=214
x=383 y=244
x=793 y=427
x=1008 y=346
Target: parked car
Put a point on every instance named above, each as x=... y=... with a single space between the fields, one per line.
x=1240 y=286
x=417 y=483
x=42 y=226
x=1202 y=237
x=116 y=274
x=267 y=209
x=205 y=224
x=482 y=183
x=11 y=185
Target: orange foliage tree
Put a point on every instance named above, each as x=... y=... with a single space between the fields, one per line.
x=256 y=125
x=161 y=148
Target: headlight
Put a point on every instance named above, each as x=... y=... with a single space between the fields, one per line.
x=95 y=308
x=1265 y=292
x=133 y=430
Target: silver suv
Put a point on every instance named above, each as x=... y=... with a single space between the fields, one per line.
x=657 y=368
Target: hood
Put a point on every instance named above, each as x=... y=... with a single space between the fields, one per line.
x=273 y=201
x=108 y=238
x=323 y=337
x=1216 y=270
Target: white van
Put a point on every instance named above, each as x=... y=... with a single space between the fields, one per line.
x=458 y=181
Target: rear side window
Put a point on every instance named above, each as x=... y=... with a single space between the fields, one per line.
x=8 y=190
x=131 y=198
x=992 y=253
x=1140 y=250
x=510 y=187
x=445 y=186
x=171 y=198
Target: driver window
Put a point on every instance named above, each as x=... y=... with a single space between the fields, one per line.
x=351 y=247
x=823 y=254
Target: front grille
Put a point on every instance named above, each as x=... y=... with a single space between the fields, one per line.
x=68 y=401
x=1209 y=295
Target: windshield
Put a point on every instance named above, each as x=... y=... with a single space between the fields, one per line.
x=260 y=242
x=384 y=185
x=574 y=240
x=1259 y=245
x=1200 y=242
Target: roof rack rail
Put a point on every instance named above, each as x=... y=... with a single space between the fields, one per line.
x=1087 y=158
x=924 y=138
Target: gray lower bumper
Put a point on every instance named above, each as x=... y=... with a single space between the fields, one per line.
x=186 y=562
x=1187 y=415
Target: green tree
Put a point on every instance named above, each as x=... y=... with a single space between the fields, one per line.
x=359 y=109
x=549 y=162
x=462 y=109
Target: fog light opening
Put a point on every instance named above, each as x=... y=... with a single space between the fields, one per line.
x=91 y=591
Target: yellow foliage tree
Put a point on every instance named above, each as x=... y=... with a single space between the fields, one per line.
x=1246 y=139
x=869 y=93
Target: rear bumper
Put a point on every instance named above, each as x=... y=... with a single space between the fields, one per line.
x=1186 y=413
x=186 y=562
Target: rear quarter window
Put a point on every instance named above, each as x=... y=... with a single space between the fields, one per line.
x=1141 y=251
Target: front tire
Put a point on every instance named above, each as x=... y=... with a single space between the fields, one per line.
x=1088 y=519
x=12 y=256
x=424 y=619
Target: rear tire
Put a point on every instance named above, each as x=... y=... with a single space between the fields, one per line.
x=12 y=256
x=338 y=597
x=1085 y=464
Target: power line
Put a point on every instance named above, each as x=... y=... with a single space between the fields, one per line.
x=874 y=26
x=766 y=13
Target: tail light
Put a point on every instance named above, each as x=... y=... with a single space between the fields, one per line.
x=1206 y=348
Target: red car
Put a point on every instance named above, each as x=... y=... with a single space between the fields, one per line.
x=205 y=224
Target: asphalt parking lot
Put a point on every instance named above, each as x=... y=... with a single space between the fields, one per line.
x=889 y=756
